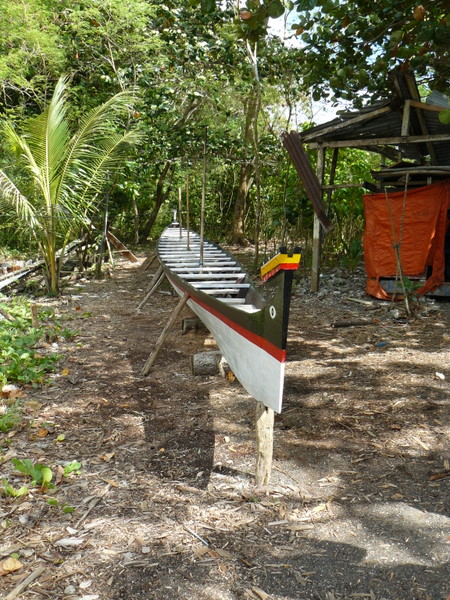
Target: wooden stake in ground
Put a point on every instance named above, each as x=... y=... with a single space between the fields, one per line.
x=165 y=332
x=264 y=443
x=34 y=315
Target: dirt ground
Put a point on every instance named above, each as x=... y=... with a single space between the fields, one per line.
x=165 y=502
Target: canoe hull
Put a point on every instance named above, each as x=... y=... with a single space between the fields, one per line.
x=260 y=373
x=250 y=336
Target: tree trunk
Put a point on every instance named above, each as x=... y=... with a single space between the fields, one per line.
x=247 y=172
x=160 y=196
x=245 y=183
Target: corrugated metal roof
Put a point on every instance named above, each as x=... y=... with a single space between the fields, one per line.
x=384 y=119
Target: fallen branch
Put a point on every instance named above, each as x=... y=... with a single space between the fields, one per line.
x=6 y=314
x=25 y=583
x=351 y=323
x=93 y=505
x=367 y=303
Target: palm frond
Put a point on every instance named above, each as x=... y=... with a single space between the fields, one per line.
x=47 y=136
x=99 y=124
x=11 y=196
x=87 y=178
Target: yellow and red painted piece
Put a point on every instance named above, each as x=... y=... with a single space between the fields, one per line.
x=280 y=262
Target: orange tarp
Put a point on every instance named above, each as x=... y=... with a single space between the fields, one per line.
x=421 y=238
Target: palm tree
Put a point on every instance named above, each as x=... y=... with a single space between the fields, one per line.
x=61 y=174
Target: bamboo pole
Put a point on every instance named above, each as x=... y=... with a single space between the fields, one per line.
x=202 y=214
x=187 y=212
x=179 y=213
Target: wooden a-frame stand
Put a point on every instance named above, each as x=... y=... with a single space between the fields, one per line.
x=264 y=416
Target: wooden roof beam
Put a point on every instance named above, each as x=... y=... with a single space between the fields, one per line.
x=393 y=141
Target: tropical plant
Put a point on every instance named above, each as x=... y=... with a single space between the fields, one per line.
x=58 y=175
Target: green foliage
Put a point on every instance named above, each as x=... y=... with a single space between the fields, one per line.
x=444 y=117
x=66 y=171
x=73 y=467
x=39 y=474
x=31 y=53
x=20 y=360
x=10 y=417
x=8 y=490
x=360 y=42
x=63 y=506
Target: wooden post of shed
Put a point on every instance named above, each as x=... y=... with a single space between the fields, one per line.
x=264 y=443
x=317 y=230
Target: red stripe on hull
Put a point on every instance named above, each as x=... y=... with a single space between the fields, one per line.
x=258 y=340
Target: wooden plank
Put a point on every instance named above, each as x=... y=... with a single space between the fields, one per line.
x=406 y=117
x=430 y=107
x=217 y=291
x=214 y=284
x=121 y=248
x=206 y=276
x=212 y=263
x=232 y=300
x=206 y=269
x=313 y=187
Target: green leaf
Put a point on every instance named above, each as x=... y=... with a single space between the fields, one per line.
x=275 y=9
x=73 y=467
x=208 y=6
x=46 y=475
x=444 y=117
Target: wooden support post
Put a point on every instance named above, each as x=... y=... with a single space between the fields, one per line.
x=34 y=315
x=406 y=117
x=156 y=282
x=264 y=443
x=148 y=262
x=316 y=248
x=317 y=231
x=155 y=277
x=165 y=332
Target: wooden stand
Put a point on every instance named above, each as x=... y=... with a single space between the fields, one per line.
x=154 y=285
x=264 y=443
x=148 y=262
x=121 y=248
x=165 y=332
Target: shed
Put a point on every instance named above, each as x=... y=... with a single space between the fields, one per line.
x=407 y=132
